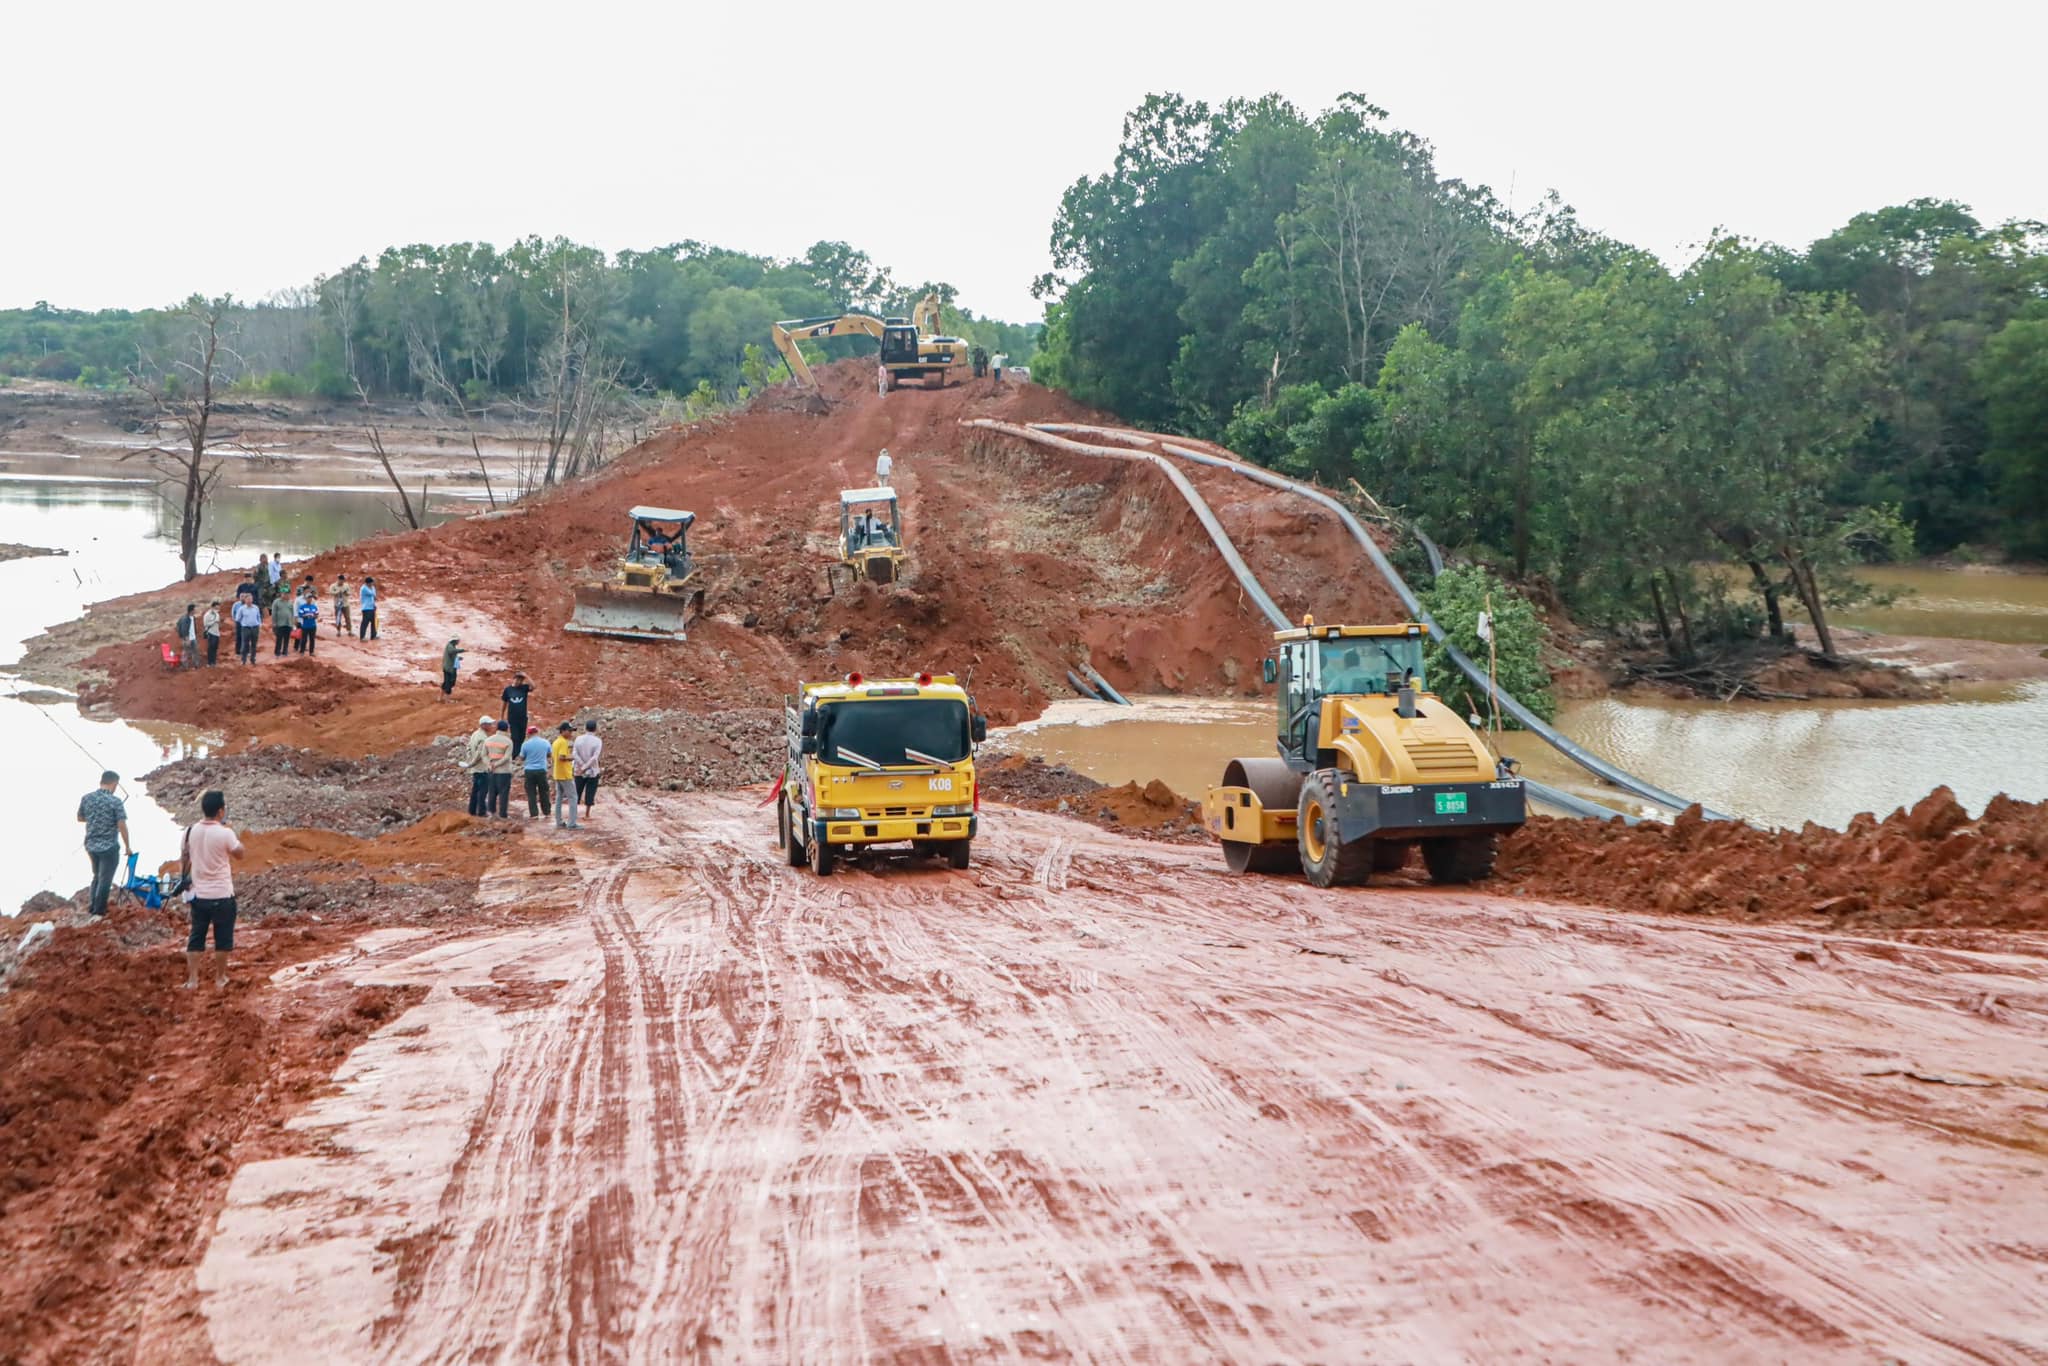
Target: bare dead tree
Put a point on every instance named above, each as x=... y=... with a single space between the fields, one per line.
x=425 y=361
x=405 y=503
x=187 y=474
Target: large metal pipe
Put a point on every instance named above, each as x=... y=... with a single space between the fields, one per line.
x=1536 y=725
x=1542 y=792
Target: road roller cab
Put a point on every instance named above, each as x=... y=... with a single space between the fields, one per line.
x=1371 y=764
x=879 y=761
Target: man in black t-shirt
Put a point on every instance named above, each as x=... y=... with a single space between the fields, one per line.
x=515 y=706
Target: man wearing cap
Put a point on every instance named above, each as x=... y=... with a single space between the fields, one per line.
x=534 y=757
x=562 y=766
x=451 y=660
x=474 y=763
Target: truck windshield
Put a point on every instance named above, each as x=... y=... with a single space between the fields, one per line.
x=885 y=732
x=1371 y=664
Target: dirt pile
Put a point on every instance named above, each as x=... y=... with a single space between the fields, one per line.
x=1930 y=867
x=278 y=786
x=1152 y=809
x=1022 y=562
x=684 y=751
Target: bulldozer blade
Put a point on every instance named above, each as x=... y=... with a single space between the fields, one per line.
x=632 y=616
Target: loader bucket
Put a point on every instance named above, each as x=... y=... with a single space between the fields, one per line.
x=630 y=615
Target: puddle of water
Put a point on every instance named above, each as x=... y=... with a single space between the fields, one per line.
x=1779 y=763
x=1951 y=603
x=114 y=531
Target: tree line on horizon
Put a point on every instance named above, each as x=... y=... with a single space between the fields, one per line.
x=1314 y=293
x=469 y=322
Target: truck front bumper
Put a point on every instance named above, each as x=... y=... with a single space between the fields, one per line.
x=894 y=830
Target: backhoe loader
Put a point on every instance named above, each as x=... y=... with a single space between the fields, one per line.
x=911 y=348
x=1370 y=765
x=647 y=596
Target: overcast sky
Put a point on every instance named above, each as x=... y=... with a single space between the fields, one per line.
x=160 y=148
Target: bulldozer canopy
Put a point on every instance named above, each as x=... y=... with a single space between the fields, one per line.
x=849 y=497
x=662 y=515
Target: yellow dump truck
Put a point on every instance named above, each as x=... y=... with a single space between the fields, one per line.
x=877 y=761
x=1370 y=766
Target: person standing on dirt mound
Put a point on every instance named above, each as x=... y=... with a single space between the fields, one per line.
x=534 y=757
x=309 y=620
x=884 y=468
x=209 y=626
x=562 y=767
x=366 y=628
x=451 y=661
x=106 y=835
x=498 y=757
x=281 y=621
x=512 y=715
x=209 y=848
x=188 y=638
x=342 y=625
x=248 y=621
x=587 y=754
x=262 y=582
x=475 y=762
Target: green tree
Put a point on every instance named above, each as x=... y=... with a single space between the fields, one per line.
x=2013 y=371
x=1455 y=600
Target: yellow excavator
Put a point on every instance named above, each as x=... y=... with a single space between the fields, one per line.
x=1370 y=766
x=911 y=348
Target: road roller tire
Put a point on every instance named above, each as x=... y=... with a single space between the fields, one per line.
x=1244 y=858
x=1461 y=858
x=1327 y=858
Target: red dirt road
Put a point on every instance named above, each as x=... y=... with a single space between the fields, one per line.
x=1096 y=1099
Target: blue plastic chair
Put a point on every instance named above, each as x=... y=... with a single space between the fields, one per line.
x=146 y=888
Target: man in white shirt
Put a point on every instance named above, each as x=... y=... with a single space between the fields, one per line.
x=883 y=467
x=210 y=847
x=584 y=757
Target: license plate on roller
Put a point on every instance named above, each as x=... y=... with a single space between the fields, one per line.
x=1450 y=803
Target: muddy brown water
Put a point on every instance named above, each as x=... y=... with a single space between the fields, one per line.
x=115 y=531
x=1779 y=763
x=1963 y=604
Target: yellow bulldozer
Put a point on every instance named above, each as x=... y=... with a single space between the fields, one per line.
x=911 y=348
x=870 y=538
x=647 y=595
x=1370 y=766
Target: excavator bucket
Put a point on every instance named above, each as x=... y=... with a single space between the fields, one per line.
x=630 y=614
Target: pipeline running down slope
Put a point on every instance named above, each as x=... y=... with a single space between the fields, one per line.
x=1042 y=434
x=1536 y=725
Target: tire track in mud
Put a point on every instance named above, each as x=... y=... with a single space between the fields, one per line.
x=1094 y=1098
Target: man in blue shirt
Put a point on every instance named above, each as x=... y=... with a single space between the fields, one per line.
x=106 y=835
x=533 y=758
x=366 y=628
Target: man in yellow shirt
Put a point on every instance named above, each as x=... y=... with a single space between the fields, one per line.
x=563 y=770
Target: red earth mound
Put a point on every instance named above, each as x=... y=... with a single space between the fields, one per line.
x=1930 y=867
x=1023 y=561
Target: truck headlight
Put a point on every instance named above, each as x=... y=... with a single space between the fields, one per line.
x=843 y=813
x=952 y=810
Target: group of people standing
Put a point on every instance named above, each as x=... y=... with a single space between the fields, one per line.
x=291 y=611
x=560 y=774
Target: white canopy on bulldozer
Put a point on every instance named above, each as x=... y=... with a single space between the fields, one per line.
x=848 y=497
x=661 y=515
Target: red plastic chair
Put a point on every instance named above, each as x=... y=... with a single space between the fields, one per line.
x=172 y=659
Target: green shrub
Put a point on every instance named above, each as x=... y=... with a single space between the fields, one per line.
x=1456 y=599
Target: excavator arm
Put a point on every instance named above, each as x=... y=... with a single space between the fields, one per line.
x=925 y=317
x=786 y=334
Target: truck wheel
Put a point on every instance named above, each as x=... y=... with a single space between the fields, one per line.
x=1461 y=858
x=1327 y=859
x=785 y=834
x=1389 y=856
x=1261 y=858
x=822 y=858
x=958 y=852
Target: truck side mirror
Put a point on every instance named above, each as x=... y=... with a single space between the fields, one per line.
x=808 y=745
x=1269 y=669
x=809 y=725
x=978 y=728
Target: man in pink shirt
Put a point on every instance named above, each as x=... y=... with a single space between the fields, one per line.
x=210 y=848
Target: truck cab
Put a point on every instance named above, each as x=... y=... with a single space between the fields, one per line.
x=876 y=762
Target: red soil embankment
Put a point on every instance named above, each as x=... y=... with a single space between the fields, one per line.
x=1930 y=867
